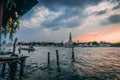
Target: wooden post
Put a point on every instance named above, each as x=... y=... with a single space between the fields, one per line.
x=1 y=15
x=73 y=53
x=19 y=49
x=57 y=56
x=14 y=45
x=3 y=70
x=22 y=65
x=12 y=68
x=48 y=59
x=29 y=49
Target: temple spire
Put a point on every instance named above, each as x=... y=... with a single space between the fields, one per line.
x=70 y=38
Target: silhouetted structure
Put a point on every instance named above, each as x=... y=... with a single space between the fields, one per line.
x=70 y=42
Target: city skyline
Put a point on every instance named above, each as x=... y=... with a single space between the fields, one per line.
x=87 y=20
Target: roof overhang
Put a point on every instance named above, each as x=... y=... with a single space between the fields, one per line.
x=19 y=6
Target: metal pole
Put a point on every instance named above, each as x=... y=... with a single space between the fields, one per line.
x=1 y=15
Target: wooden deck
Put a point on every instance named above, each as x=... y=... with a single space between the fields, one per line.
x=10 y=59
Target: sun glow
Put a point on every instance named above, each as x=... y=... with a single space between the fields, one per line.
x=111 y=37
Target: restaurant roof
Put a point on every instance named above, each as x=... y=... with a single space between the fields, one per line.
x=10 y=7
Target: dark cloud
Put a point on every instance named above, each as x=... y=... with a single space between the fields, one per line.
x=118 y=4
x=101 y=12
x=114 y=19
x=117 y=7
x=69 y=19
x=73 y=9
x=113 y=1
x=54 y=4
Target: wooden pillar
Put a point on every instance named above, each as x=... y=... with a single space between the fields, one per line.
x=14 y=45
x=3 y=70
x=57 y=57
x=29 y=49
x=22 y=65
x=48 y=59
x=19 y=49
x=1 y=15
x=12 y=68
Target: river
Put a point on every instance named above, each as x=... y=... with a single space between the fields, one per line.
x=91 y=63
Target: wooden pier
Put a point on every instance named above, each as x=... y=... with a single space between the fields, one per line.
x=11 y=59
x=12 y=62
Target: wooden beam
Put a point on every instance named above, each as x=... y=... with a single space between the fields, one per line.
x=1 y=15
x=1 y=12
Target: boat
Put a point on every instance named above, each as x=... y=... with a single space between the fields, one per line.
x=29 y=49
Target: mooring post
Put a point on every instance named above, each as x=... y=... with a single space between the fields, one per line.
x=14 y=45
x=57 y=56
x=19 y=50
x=48 y=59
x=73 y=54
x=22 y=65
x=3 y=70
x=29 y=49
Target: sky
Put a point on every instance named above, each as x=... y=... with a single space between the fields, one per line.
x=87 y=20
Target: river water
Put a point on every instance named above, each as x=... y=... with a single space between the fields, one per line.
x=91 y=63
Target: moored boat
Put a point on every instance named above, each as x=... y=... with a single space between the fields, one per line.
x=30 y=49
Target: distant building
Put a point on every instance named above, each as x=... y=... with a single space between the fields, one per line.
x=105 y=44
x=23 y=42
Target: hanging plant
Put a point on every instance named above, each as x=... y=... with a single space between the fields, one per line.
x=12 y=26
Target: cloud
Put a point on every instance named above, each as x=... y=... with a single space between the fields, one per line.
x=101 y=12
x=54 y=14
x=53 y=4
x=38 y=16
x=111 y=19
x=116 y=7
x=114 y=19
x=117 y=4
x=44 y=18
x=68 y=18
x=69 y=13
x=52 y=20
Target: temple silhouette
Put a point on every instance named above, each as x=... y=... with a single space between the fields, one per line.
x=70 y=42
